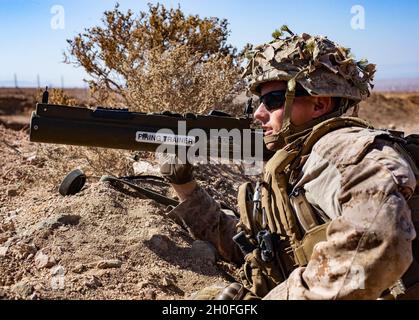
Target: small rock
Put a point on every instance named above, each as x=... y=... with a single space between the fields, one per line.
x=3 y=251
x=92 y=282
x=159 y=242
x=2 y=293
x=34 y=296
x=142 y=285
x=24 y=250
x=57 y=221
x=38 y=287
x=106 y=264
x=57 y=271
x=48 y=224
x=68 y=219
x=79 y=288
x=31 y=156
x=7 y=226
x=63 y=228
x=12 y=192
x=3 y=239
x=204 y=250
x=44 y=234
x=22 y=288
x=166 y=282
x=43 y=261
x=13 y=214
x=91 y=265
x=150 y=295
x=80 y=268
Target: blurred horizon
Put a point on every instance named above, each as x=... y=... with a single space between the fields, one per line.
x=380 y=85
x=33 y=49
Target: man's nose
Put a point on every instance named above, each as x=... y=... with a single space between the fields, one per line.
x=262 y=114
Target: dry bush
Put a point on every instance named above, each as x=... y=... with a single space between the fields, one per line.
x=193 y=87
x=160 y=59
x=58 y=96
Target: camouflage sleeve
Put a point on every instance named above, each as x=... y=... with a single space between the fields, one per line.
x=205 y=220
x=368 y=246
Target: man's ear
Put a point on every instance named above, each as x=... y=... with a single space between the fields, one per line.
x=321 y=106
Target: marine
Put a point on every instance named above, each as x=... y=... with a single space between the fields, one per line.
x=174 y=310
x=332 y=216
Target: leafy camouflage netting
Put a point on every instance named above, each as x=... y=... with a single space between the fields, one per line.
x=322 y=67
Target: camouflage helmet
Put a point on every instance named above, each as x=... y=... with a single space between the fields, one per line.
x=320 y=66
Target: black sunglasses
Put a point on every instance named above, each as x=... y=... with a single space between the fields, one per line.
x=276 y=99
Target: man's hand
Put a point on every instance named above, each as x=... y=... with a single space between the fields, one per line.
x=173 y=170
x=178 y=174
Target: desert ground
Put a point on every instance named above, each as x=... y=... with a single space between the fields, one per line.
x=103 y=243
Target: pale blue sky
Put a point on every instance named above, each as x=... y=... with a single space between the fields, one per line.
x=29 y=46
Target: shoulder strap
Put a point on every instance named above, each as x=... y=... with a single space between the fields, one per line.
x=328 y=126
x=305 y=143
x=302 y=253
x=245 y=203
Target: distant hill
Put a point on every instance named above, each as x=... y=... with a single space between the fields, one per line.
x=387 y=85
x=397 y=85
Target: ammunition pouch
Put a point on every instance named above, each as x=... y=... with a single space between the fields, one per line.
x=303 y=252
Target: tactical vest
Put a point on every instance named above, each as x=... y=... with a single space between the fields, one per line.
x=279 y=230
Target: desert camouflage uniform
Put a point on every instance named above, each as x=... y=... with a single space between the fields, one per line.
x=358 y=180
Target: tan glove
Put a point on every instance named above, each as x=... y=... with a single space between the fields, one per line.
x=173 y=170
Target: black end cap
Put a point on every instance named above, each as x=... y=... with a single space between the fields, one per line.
x=72 y=183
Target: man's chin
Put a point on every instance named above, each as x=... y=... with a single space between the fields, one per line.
x=268 y=133
x=273 y=146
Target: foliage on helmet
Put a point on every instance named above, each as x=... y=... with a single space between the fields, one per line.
x=319 y=65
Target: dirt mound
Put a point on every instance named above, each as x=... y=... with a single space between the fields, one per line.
x=100 y=243
x=14 y=104
x=392 y=111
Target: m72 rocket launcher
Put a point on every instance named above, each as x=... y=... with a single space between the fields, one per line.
x=122 y=129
